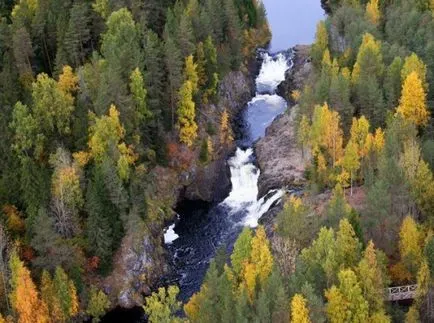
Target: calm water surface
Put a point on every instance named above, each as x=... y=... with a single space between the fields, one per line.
x=292 y=21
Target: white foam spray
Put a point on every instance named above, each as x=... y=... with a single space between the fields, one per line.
x=272 y=73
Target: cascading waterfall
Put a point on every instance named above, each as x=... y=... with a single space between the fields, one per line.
x=193 y=241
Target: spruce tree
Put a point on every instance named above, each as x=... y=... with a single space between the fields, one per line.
x=173 y=60
x=99 y=231
x=78 y=34
x=154 y=74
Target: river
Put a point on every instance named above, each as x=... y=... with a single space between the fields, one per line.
x=200 y=231
x=192 y=241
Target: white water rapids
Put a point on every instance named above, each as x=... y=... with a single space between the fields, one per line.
x=193 y=239
x=261 y=111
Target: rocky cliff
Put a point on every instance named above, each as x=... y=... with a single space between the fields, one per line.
x=279 y=159
x=140 y=261
x=211 y=182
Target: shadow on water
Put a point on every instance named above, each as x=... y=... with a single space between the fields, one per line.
x=201 y=229
x=119 y=314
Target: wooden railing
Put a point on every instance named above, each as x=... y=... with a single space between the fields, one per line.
x=399 y=293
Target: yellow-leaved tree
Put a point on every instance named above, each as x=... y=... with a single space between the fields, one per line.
x=412 y=105
x=346 y=302
x=107 y=133
x=351 y=161
x=326 y=132
x=190 y=74
x=299 y=310
x=226 y=136
x=372 y=278
x=261 y=254
x=24 y=296
x=371 y=48
x=373 y=11
x=303 y=134
x=413 y=63
x=321 y=43
x=186 y=114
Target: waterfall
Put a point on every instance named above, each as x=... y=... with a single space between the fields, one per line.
x=261 y=111
x=272 y=73
x=193 y=240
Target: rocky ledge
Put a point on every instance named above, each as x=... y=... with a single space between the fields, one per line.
x=211 y=182
x=279 y=159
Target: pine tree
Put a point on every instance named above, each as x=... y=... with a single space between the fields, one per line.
x=99 y=230
x=78 y=33
x=339 y=97
x=137 y=87
x=412 y=105
x=367 y=73
x=233 y=33
x=185 y=36
x=392 y=83
x=210 y=52
x=120 y=44
x=154 y=74
x=173 y=60
x=201 y=65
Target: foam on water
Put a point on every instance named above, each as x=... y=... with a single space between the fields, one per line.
x=170 y=234
x=272 y=73
x=244 y=179
x=203 y=231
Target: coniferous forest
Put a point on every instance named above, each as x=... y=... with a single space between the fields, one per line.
x=108 y=106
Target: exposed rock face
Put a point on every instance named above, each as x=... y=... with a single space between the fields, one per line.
x=298 y=74
x=139 y=262
x=236 y=90
x=135 y=268
x=211 y=183
x=279 y=159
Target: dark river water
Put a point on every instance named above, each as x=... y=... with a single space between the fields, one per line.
x=192 y=241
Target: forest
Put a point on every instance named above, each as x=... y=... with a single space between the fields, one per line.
x=365 y=127
x=100 y=102
x=106 y=103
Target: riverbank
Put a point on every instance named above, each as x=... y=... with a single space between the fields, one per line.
x=279 y=158
x=141 y=259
